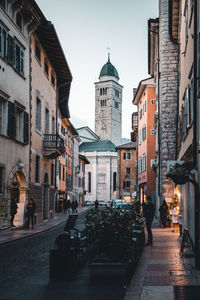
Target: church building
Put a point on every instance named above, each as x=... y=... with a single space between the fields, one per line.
x=108 y=105
x=100 y=174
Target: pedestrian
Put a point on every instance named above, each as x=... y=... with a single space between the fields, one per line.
x=96 y=204
x=13 y=211
x=75 y=206
x=64 y=205
x=163 y=213
x=31 y=207
x=148 y=212
x=68 y=205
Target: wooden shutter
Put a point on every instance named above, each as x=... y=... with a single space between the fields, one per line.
x=10 y=50
x=26 y=128
x=11 y=120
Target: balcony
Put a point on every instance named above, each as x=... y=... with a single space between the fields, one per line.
x=53 y=146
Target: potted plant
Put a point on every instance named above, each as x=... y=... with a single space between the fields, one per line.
x=111 y=241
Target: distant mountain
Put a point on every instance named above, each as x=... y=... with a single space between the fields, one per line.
x=125 y=141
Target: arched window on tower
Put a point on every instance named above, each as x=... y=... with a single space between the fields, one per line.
x=100 y=91
x=89 y=182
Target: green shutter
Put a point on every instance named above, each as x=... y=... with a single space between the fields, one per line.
x=10 y=50
x=26 y=128
x=11 y=120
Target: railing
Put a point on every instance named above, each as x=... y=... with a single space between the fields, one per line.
x=53 y=142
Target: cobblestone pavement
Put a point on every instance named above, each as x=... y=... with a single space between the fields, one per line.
x=24 y=272
x=162 y=274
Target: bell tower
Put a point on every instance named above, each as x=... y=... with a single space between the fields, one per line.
x=108 y=105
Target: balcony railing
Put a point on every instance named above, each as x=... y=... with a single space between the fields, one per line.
x=53 y=145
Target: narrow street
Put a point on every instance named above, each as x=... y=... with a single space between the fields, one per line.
x=25 y=272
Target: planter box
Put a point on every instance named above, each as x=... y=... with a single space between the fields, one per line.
x=63 y=265
x=108 y=270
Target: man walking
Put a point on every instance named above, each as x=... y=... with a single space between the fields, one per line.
x=148 y=212
x=31 y=206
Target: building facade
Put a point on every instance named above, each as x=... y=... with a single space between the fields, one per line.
x=18 y=20
x=100 y=174
x=145 y=101
x=126 y=171
x=81 y=179
x=49 y=99
x=108 y=105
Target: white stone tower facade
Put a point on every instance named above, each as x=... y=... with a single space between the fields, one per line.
x=108 y=105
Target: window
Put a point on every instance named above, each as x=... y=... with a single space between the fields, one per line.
x=152 y=101
x=19 y=20
x=3 y=44
x=139 y=165
x=19 y=124
x=2 y=179
x=127 y=184
x=139 y=138
x=127 y=155
x=52 y=79
x=144 y=133
x=191 y=98
x=114 y=181
x=143 y=163
x=38 y=114
x=46 y=68
x=63 y=173
x=128 y=170
x=3 y=3
x=89 y=182
x=186 y=20
x=12 y=51
x=11 y=120
x=37 y=169
x=103 y=103
x=59 y=169
x=52 y=174
x=140 y=114
x=19 y=59
x=144 y=107
x=46 y=121
x=153 y=132
x=116 y=104
x=186 y=111
x=116 y=93
x=53 y=125
x=3 y=116
x=103 y=91
x=37 y=52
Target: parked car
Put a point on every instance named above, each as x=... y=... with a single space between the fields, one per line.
x=102 y=203
x=120 y=203
x=89 y=203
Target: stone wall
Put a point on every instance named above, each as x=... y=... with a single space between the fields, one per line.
x=167 y=99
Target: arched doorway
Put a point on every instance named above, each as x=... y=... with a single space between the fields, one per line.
x=45 y=196
x=17 y=188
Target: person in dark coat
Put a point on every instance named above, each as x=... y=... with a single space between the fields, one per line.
x=75 y=206
x=148 y=212
x=163 y=213
x=68 y=205
x=31 y=207
x=13 y=211
x=96 y=204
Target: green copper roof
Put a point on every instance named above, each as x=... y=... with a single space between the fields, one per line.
x=109 y=69
x=99 y=146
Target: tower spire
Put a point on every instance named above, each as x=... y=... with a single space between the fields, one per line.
x=108 y=54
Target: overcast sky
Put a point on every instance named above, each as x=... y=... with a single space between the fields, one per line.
x=85 y=29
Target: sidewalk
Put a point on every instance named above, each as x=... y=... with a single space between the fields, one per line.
x=162 y=274
x=16 y=233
